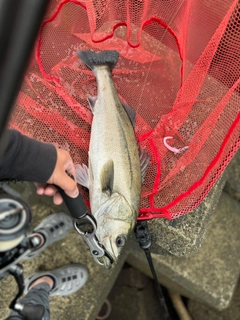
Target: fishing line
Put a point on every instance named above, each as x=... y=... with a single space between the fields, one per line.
x=141 y=229
x=156 y=48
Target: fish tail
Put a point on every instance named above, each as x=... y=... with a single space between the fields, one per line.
x=105 y=57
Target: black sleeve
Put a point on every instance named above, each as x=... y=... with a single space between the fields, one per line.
x=27 y=159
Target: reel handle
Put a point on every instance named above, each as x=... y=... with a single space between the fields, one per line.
x=32 y=312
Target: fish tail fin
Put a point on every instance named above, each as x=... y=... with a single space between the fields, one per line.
x=105 y=57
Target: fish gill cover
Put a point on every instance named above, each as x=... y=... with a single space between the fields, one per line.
x=178 y=68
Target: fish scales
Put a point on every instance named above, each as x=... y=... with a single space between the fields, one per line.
x=112 y=137
x=114 y=174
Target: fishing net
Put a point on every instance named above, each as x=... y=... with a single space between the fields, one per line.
x=179 y=69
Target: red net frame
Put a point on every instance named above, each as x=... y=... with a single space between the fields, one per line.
x=179 y=69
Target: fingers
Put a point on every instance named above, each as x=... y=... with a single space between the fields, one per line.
x=40 y=191
x=46 y=189
x=70 y=168
x=50 y=190
x=40 y=188
x=60 y=178
x=68 y=185
x=57 y=199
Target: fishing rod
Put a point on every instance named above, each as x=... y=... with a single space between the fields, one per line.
x=141 y=229
x=144 y=239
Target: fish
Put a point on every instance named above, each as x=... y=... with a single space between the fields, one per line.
x=113 y=176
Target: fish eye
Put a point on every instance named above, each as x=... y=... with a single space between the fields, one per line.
x=121 y=241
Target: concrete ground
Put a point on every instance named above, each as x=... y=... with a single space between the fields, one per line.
x=84 y=304
x=208 y=276
x=133 y=297
x=200 y=311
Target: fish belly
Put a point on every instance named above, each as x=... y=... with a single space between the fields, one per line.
x=113 y=139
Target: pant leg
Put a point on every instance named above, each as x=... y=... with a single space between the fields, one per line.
x=39 y=294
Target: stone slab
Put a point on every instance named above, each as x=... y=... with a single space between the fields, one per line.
x=183 y=235
x=200 y=311
x=84 y=304
x=210 y=274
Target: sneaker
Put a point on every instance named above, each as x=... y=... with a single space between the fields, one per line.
x=53 y=228
x=67 y=279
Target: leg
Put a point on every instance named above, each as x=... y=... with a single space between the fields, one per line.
x=38 y=294
x=59 y=282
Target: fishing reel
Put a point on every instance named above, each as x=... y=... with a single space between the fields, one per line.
x=15 y=219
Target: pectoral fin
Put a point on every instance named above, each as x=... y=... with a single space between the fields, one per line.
x=91 y=103
x=107 y=177
x=82 y=175
x=107 y=206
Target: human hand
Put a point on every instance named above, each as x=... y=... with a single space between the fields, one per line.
x=60 y=178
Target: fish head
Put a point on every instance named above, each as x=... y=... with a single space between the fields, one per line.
x=115 y=221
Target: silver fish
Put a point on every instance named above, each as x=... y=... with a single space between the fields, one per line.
x=114 y=176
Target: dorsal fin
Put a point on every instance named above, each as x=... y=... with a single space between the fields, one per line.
x=107 y=177
x=130 y=112
x=144 y=161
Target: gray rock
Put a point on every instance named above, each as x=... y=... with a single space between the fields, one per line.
x=232 y=185
x=84 y=304
x=209 y=275
x=183 y=235
x=200 y=311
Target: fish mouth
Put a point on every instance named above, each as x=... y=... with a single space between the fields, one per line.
x=112 y=250
x=107 y=263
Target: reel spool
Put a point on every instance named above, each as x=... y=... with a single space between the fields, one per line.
x=15 y=219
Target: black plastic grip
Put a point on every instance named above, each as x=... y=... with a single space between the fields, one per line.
x=32 y=312
x=76 y=206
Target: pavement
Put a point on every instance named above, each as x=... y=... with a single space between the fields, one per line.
x=206 y=272
x=82 y=305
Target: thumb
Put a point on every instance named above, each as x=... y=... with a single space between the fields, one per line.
x=67 y=184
